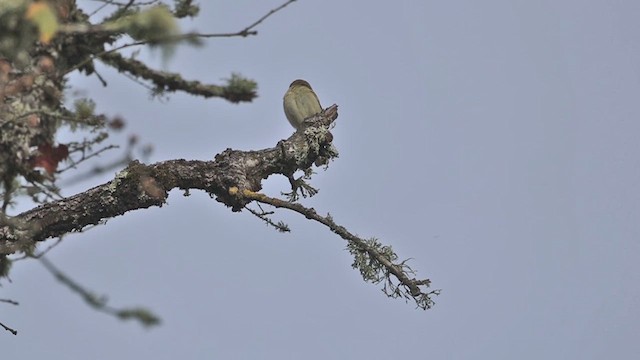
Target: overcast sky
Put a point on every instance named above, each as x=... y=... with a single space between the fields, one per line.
x=494 y=142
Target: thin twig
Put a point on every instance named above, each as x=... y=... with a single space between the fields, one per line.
x=246 y=31
x=280 y=226
x=143 y=316
x=14 y=332
x=175 y=38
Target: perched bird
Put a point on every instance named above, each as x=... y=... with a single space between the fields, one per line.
x=300 y=102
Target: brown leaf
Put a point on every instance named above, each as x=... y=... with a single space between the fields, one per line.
x=49 y=157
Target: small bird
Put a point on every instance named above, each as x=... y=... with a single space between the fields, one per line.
x=300 y=102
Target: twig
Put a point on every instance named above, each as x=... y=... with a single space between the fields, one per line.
x=400 y=271
x=143 y=316
x=246 y=31
x=280 y=226
x=175 y=38
x=14 y=332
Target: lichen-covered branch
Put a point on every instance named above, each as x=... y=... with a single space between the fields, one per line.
x=140 y=186
x=374 y=261
x=237 y=89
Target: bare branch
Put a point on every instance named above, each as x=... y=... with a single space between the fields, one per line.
x=264 y=216
x=143 y=316
x=14 y=332
x=247 y=31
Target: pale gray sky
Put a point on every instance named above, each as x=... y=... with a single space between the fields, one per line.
x=494 y=142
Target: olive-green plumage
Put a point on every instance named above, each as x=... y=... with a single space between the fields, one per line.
x=300 y=102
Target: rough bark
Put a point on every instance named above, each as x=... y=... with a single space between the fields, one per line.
x=140 y=186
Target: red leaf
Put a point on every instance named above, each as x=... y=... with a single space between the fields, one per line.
x=49 y=157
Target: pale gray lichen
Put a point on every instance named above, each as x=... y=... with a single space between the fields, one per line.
x=117 y=180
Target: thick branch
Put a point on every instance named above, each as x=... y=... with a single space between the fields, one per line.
x=140 y=186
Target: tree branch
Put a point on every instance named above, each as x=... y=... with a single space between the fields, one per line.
x=142 y=315
x=237 y=89
x=379 y=258
x=140 y=186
